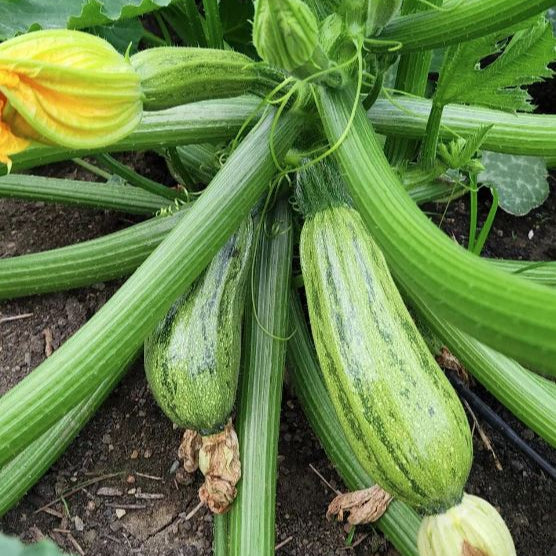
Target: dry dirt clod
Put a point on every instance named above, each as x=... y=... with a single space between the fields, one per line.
x=364 y=506
x=48 y=339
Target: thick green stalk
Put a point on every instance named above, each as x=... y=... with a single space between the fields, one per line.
x=400 y=523
x=200 y=161
x=459 y=21
x=432 y=133
x=185 y=19
x=136 y=179
x=124 y=198
x=24 y=470
x=525 y=134
x=220 y=535
x=507 y=312
x=120 y=253
x=412 y=77
x=529 y=397
x=97 y=260
x=252 y=517
x=206 y=121
x=117 y=330
x=214 y=33
x=543 y=272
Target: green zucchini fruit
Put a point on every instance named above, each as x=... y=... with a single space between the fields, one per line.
x=401 y=416
x=192 y=363
x=192 y=357
x=171 y=75
x=398 y=411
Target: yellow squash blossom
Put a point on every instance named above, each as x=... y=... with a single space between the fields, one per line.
x=65 y=88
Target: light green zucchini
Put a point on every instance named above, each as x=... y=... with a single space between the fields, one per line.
x=400 y=415
x=192 y=357
x=171 y=76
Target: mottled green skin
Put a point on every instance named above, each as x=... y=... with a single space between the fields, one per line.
x=178 y=75
x=400 y=415
x=192 y=357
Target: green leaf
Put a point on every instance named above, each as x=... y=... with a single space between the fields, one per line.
x=236 y=20
x=521 y=181
x=30 y=15
x=121 y=34
x=522 y=61
x=12 y=547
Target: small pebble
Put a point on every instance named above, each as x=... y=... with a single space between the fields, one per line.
x=134 y=454
x=78 y=522
x=120 y=512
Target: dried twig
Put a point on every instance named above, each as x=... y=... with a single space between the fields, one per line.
x=283 y=543
x=484 y=437
x=76 y=489
x=15 y=317
x=317 y=473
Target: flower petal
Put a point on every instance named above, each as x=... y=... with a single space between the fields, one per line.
x=69 y=88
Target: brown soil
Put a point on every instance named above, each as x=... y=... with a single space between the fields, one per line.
x=131 y=437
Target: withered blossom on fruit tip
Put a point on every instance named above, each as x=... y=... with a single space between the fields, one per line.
x=65 y=88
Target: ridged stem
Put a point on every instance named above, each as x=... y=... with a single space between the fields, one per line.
x=120 y=253
x=76 y=369
x=207 y=121
x=220 y=535
x=97 y=260
x=217 y=120
x=252 y=517
x=400 y=523
x=525 y=134
x=459 y=21
x=510 y=314
x=432 y=133
x=24 y=470
x=123 y=198
x=136 y=179
x=412 y=77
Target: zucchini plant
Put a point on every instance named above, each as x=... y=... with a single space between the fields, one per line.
x=304 y=106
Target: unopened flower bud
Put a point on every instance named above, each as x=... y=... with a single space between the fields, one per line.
x=65 y=88
x=285 y=33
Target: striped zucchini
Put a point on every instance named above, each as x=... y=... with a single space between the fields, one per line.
x=192 y=364
x=171 y=75
x=400 y=415
x=192 y=357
